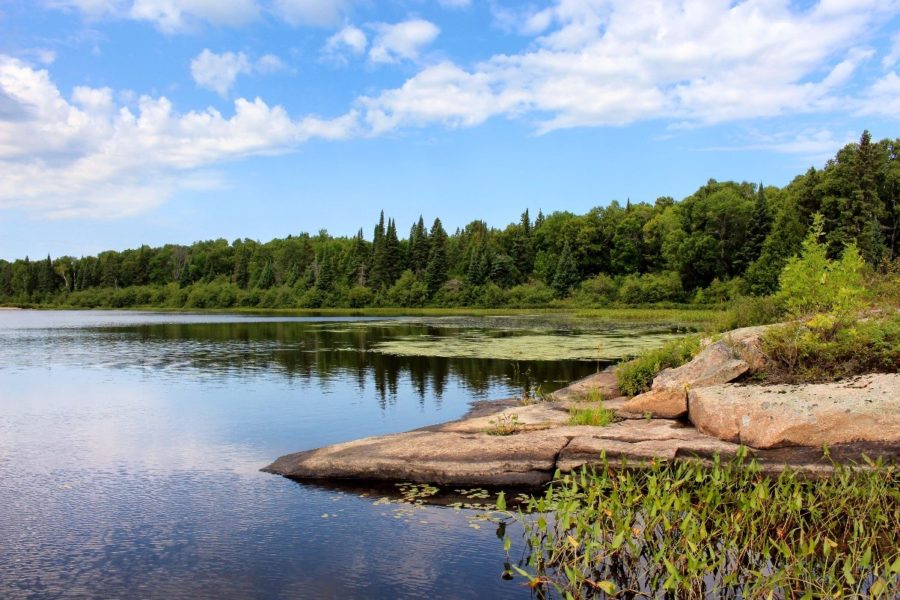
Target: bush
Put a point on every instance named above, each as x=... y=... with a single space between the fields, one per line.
x=532 y=294
x=812 y=283
x=408 y=291
x=359 y=296
x=749 y=311
x=599 y=290
x=636 y=375
x=824 y=348
x=650 y=288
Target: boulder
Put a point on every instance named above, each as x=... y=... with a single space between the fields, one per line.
x=862 y=409
x=604 y=383
x=667 y=397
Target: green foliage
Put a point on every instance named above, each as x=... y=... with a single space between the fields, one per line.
x=504 y=424
x=747 y=311
x=596 y=416
x=813 y=283
x=825 y=348
x=691 y=530
x=724 y=238
x=651 y=288
x=635 y=376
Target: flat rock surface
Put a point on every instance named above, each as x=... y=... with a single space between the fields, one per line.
x=604 y=383
x=462 y=453
x=861 y=409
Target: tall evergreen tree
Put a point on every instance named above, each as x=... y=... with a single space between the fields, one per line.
x=393 y=255
x=759 y=230
x=437 y=269
x=378 y=275
x=419 y=247
x=566 y=275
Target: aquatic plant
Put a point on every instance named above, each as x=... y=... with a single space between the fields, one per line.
x=722 y=530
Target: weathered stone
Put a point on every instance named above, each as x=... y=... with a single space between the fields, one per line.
x=533 y=416
x=862 y=409
x=604 y=383
x=526 y=458
x=659 y=403
x=667 y=397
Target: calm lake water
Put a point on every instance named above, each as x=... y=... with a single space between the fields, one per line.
x=131 y=443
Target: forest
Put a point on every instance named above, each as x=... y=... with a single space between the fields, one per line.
x=725 y=240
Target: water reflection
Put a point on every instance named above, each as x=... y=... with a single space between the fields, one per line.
x=130 y=446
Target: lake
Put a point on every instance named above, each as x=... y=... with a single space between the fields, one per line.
x=131 y=443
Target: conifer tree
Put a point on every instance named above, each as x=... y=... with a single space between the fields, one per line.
x=759 y=229
x=393 y=255
x=566 y=275
x=436 y=271
x=378 y=275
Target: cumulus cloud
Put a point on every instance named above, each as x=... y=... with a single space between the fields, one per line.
x=349 y=40
x=218 y=72
x=87 y=156
x=614 y=62
x=399 y=41
x=318 y=13
x=169 y=16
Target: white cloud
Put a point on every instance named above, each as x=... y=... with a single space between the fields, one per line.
x=893 y=55
x=169 y=16
x=614 y=62
x=318 y=13
x=349 y=39
x=178 y=15
x=87 y=156
x=815 y=145
x=218 y=72
x=881 y=98
x=404 y=40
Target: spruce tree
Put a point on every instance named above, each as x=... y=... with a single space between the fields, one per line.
x=566 y=275
x=393 y=255
x=759 y=229
x=436 y=271
x=378 y=275
x=419 y=249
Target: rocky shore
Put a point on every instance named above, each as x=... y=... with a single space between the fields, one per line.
x=698 y=410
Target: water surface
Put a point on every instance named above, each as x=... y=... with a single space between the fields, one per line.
x=131 y=443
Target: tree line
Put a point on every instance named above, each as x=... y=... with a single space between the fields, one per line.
x=725 y=239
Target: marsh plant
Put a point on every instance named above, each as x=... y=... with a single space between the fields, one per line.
x=689 y=530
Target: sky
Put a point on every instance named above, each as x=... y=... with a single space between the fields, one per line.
x=130 y=122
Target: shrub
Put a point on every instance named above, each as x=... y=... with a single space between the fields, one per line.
x=812 y=283
x=747 y=311
x=597 y=416
x=824 y=348
x=636 y=376
x=598 y=290
x=532 y=294
x=650 y=288
x=408 y=291
x=359 y=296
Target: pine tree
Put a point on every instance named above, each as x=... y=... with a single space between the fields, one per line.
x=566 y=275
x=378 y=275
x=393 y=255
x=436 y=271
x=419 y=248
x=760 y=227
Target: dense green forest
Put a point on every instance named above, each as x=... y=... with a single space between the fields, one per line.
x=724 y=240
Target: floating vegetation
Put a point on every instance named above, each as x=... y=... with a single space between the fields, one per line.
x=697 y=531
x=608 y=346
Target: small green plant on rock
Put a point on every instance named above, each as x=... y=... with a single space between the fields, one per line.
x=636 y=376
x=504 y=424
x=597 y=416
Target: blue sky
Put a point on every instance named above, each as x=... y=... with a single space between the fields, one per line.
x=125 y=122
